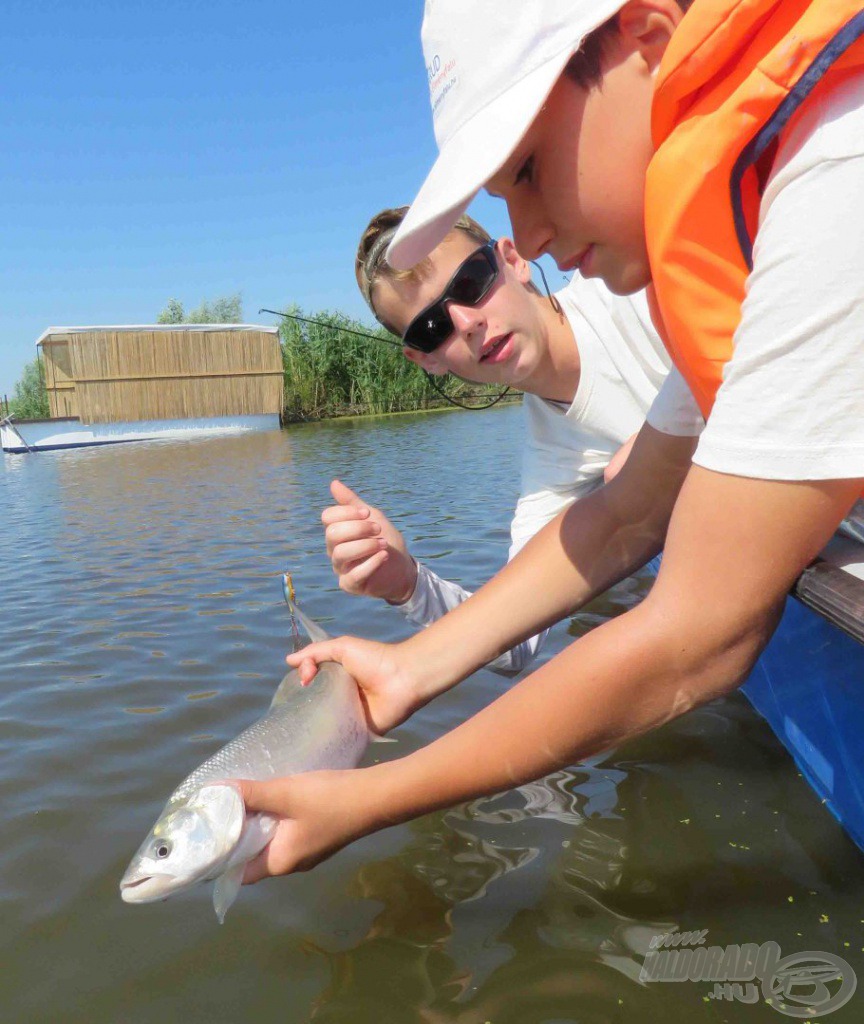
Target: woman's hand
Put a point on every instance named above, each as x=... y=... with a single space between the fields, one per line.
x=391 y=689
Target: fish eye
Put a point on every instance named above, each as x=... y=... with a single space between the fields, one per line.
x=163 y=848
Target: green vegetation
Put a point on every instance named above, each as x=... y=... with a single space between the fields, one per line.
x=329 y=372
x=228 y=309
x=30 y=399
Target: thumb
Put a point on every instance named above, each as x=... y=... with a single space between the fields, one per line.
x=256 y=869
x=257 y=796
x=344 y=495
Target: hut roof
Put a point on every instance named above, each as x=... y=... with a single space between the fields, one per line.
x=155 y=327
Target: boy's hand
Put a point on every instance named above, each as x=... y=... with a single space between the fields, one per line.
x=367 y=552
x=389 y=688
x=317 y=818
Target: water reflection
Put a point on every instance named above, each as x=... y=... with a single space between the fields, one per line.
x=144 y=625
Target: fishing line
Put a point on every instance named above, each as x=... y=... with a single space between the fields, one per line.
x=333 y=327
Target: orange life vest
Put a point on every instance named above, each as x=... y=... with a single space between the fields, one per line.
x=734 y=75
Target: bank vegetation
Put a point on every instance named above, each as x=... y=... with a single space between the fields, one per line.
x=332 y=372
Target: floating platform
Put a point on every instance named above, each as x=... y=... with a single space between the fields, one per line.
x=28 y=436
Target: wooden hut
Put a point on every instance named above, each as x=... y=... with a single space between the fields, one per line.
x=162 y=372
x=126 y=382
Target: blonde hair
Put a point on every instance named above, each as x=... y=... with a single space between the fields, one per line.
x=371 y=263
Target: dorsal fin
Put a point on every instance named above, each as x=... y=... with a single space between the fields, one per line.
x=291 y=682
x=314 y=631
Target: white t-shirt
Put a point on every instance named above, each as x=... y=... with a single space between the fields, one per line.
x=791 y=405
x=623 y=365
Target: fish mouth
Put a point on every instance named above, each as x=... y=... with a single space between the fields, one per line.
x=147 y=888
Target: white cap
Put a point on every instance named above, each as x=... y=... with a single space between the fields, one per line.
x=491 y=65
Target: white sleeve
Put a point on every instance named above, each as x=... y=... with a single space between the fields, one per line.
x=791 y=402
x=433 y=597
x=675 y=410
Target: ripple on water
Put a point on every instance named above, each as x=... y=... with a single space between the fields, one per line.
x=535 y=905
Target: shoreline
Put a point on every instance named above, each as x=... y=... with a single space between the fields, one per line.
x=442 y=406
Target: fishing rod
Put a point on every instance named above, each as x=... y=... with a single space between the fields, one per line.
x=334 y=327
x=398 y=344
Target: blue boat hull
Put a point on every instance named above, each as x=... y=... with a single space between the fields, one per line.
x=809 y=686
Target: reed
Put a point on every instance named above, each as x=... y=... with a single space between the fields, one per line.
x=331 y=373
x=30 y=399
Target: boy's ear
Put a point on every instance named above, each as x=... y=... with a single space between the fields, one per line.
x=510 y=255
x=427 y=361
x=648 y=26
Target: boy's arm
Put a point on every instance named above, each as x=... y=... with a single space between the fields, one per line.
x=597 y=542
x=734 y=548
x=370 y=558
x=434 y=597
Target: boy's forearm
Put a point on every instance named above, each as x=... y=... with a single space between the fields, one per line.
x=619 y=681
x=435 y=597
x=597 y=542
x=733 y=553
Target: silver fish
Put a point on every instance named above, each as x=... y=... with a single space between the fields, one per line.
x=203 y=833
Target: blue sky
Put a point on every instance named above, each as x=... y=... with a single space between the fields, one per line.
x=192 y=150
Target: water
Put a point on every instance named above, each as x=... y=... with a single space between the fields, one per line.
x=144 y=627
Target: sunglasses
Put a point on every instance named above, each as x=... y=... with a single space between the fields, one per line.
x=469 y=285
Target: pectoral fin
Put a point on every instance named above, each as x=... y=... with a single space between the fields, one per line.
x=225 y=890
x=221 y=804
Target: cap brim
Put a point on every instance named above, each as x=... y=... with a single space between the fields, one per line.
x=468 y=160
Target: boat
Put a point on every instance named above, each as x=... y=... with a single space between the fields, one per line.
x=22 y=436
x=145 y=382
x=809 y=681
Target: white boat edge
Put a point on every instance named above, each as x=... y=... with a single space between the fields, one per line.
x=20 y=437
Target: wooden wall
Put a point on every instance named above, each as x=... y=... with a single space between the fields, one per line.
x=173 y=374
x=59 y=382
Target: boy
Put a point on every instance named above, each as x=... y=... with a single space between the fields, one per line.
x=590 y=365
x=756 y=111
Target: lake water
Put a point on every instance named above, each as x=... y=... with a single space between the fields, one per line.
x=143 y=626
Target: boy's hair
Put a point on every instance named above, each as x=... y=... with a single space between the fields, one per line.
x=371 y=263
x=585 y=66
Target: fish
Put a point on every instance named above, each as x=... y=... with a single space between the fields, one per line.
x=204 y=832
